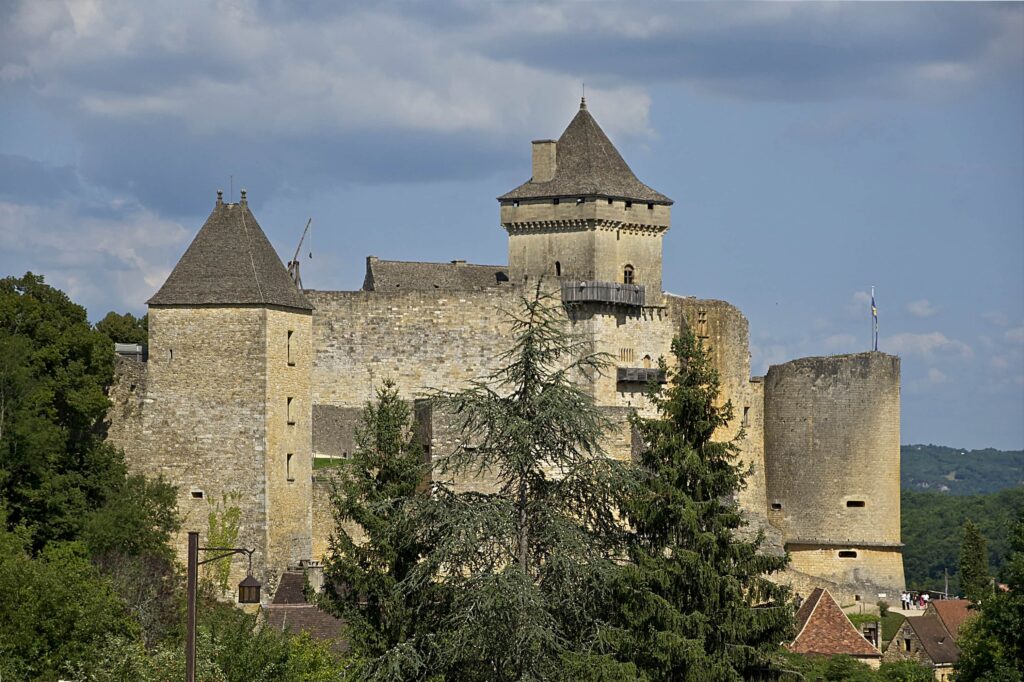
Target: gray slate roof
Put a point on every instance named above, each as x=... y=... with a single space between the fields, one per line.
x=587 y=164
x=230 y=262
x=391 y=275
x=935 y=638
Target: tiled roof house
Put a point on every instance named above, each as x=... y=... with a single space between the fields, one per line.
x=824 y=630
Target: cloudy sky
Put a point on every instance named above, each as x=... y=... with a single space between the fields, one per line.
x=813 y=150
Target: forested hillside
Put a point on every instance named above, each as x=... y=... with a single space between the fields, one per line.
x=933 y=527
x=955 y=471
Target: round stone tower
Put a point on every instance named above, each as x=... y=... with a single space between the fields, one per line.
x=832 y=459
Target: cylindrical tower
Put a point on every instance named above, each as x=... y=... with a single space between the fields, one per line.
x=832 y=460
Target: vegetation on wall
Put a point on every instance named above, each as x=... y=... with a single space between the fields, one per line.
x=223 y=522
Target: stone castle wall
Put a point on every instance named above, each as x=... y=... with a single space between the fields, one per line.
x=832 y=462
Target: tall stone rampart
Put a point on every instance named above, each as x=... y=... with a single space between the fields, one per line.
x=832 y=457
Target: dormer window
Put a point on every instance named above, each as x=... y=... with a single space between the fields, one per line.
x=627 y=274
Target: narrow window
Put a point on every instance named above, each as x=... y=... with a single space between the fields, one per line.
x=647 y=362
x=288 y=413
x=629 y=205
x=906 y=644
x=746 y=415
x=610 y=202
x=847 y=554
x=197 y=494
x=618 y=235
x=515 y=203
x=288 y=467
x=776 y=506
x=558 y=269
x=291 y=361
x=555 y=201
x=627 y=274
x=170 y=354
x=855 y=503
x=650 y=207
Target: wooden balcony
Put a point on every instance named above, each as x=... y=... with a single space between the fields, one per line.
x=639 y=375
x=614 y=293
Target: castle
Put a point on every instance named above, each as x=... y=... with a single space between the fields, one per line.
x=250 y=378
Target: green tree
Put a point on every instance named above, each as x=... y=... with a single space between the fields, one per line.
x=975 y=582
x=125 y=328
x=526 y=558
x=375 y=545
x=696 y=603
x=55 y=608
x=992 y=645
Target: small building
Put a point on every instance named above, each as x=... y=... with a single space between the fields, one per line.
x=824 y=630
x=926 y=640
x=952 y=612
x=290 y=612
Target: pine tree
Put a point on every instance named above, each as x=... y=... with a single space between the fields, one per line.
x=975 y=582
x=695 y=600
x=375 y=547
x=526 y=560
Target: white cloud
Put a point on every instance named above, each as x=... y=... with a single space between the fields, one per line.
x=859 y=305
x=935 y=376
x=925 y=345
x=998 y=319
x=122 y=256
x=921 y=308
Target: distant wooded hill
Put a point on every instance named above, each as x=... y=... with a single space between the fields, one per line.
x=955 y=471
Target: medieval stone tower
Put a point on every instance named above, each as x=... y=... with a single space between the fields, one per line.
x=227 y=414
x=249 y=379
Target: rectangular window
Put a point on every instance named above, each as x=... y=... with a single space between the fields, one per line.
x=906 y=644
x=197 y=494
x=650 y=207
x=288 y=468
x=746 y=415
x=555 y=201
x=288 y=413
x=855 y=503
x=776 y=506
x=291 y=361
x=629 y=205
x=847 y=554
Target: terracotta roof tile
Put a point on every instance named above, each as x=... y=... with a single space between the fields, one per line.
x=953 y=613
x=823 y=629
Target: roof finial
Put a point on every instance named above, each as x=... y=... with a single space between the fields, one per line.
x=583 y=99
x=243 y=200
x=220 y=197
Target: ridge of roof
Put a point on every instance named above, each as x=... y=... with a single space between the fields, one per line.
x=827 y=631
x=588 y=164
x=952 y=612
x=230 y=262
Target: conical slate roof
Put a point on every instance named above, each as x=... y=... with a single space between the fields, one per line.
x=587 y=164
x=230 y=262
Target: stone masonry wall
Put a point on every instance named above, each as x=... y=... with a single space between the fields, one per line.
x=289 y=415
x=203 y=422
x=127 y=399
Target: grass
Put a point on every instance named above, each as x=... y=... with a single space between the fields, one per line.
x=326 y=463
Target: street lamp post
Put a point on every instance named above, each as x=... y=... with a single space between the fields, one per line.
x=248 y=592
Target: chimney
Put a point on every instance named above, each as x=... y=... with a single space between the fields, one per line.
x=244 y=201
x=544 y=160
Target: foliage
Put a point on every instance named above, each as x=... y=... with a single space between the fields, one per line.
x=975 y=582
x=891 y=622
x=992 y=645
x=905 y=671
x=223 y=522
x=125 y=328
x=374 y=547
x=954 y=471
x=695 y=600
x=524 y=561
x=846 y=668
x=932 y=525
x=56 y=608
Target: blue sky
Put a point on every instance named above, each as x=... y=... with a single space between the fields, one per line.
x=813 y=150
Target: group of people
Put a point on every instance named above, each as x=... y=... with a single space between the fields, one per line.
x=914 y=600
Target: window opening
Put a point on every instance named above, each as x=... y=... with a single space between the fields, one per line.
x=855 y=503
x=647 y=362
x=579 y=200
x=170 y=354
x=197 y=494
x=776 y=506
x=650 y=207
x=288 y=467
x=288 y=413
x=610 y=202
x=627 y=274
x=847 y=554
x=291 y=361
x=746 y=415
x=702 y=324
x=555 y=201
x=558 y=269
x=629 y=205
x=906 y=644
x=515 y=204
x=626 y=355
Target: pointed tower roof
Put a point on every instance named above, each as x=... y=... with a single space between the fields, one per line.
x=587 y=164
x=230 y=262
x=823 y=629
